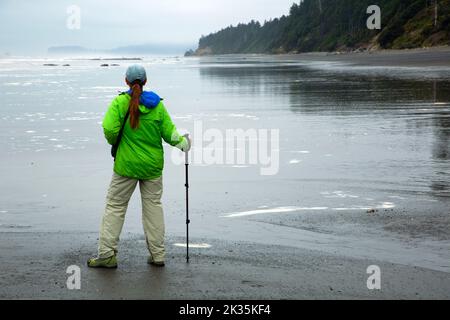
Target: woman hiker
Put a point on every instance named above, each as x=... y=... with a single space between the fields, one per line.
x=139 y=159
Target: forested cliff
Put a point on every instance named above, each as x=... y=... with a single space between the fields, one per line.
x=337 y=25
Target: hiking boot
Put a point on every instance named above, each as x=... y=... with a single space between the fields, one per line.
x=108 y=263
x=155 y=263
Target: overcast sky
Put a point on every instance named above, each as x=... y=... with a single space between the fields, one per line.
x=31 y=26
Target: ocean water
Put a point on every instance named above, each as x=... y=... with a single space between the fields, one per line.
x=349 y=139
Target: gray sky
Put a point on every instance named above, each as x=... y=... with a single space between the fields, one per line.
x=31 y=26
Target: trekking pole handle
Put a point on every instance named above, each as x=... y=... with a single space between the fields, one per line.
x=186 y=153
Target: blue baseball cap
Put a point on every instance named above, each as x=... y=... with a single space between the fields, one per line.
x=136 y=72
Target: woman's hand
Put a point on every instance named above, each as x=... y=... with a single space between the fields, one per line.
x=185 y=144
x=188 y=145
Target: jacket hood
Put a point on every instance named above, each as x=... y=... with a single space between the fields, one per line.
x=149 y=99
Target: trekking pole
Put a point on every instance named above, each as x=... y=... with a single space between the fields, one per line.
x=187 y=204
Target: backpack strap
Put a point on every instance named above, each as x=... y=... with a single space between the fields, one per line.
x=115 y=147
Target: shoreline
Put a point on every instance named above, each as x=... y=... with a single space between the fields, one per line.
x=319 y=248
x=423 y=57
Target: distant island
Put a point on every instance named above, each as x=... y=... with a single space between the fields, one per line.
x=68 y=50
x=142 y=49
x=336 y=25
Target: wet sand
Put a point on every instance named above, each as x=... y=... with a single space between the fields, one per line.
x=34 y=266
x=51 y=223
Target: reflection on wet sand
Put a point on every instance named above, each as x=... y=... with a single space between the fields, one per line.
x=403 y=114
x=441 y=154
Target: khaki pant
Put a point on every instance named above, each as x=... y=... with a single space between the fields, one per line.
x=119 y=194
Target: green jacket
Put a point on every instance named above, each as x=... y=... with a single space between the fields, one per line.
x=140 y=154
